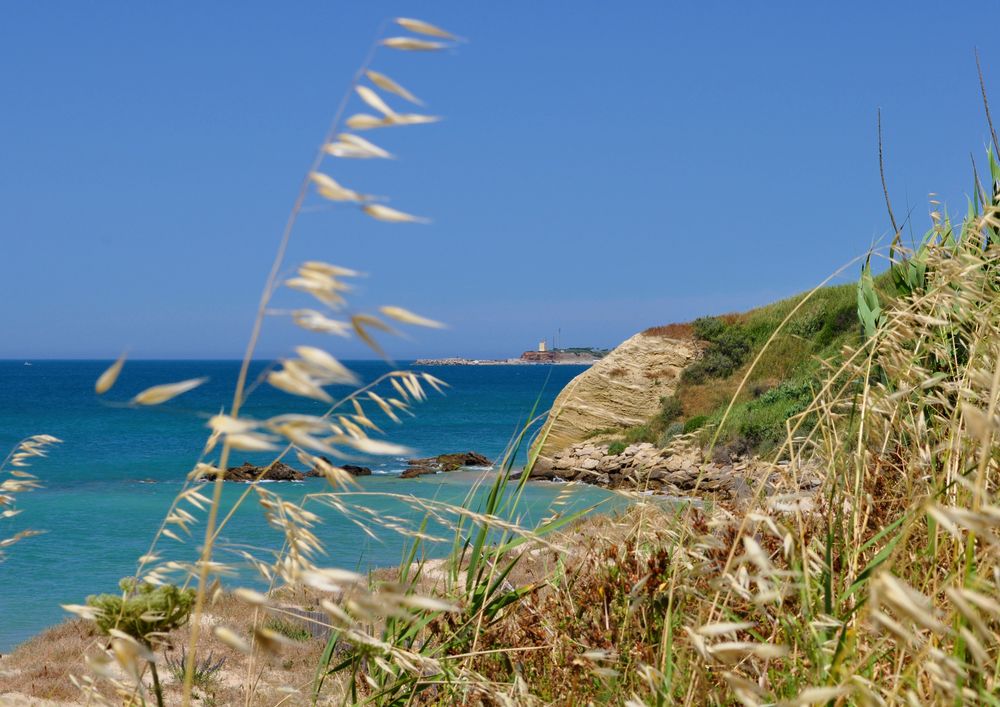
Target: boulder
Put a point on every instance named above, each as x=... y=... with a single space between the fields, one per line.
x=538 y=474
x=278 y=471
x=546 y=470
x=451 y=462
x=413 y=471
x=564 y=474
x=443 y=462
x=351 y=469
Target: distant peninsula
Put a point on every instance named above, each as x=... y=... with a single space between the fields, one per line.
x=578 y=356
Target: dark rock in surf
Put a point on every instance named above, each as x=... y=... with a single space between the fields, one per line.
x=278 y=471
x=444 y=462
x=351 y=469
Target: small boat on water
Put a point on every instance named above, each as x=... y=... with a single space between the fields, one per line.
x=27 y=363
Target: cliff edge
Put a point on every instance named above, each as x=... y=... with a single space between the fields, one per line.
x=621 y=390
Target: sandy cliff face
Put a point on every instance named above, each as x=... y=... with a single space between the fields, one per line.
x=621 y=390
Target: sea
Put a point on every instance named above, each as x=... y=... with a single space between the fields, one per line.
x=107 y=487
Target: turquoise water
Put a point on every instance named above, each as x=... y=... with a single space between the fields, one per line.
x=98 y=509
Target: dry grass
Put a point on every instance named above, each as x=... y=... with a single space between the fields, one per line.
x=41 y=667
x=685 y=330
x=671 y=331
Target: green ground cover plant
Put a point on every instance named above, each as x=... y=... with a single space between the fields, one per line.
x=785 y=371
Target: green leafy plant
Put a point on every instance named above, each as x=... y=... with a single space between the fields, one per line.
x=289 y=629
x=694 y=423
x=670 y=409
x=728 y=348
x=145 y=614
x=142 y=610
x=205 y=669
x=671 y=431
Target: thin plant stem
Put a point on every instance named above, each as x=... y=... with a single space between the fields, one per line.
x=265 y=298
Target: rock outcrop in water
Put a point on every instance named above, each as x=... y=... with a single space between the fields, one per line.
x=279 y=471
x=621 y=390
x=443 y=462
x=351 y=469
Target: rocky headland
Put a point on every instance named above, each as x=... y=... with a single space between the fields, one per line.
x=621 y=390
x=583 y=436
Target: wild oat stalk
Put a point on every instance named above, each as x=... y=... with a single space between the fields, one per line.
x=338 y=434
x=18 y=480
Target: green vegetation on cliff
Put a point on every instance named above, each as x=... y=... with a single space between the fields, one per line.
x=783 y=373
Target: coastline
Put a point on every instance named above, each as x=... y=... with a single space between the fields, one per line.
x=458 y=361
x=444 y=486
x=35 y=672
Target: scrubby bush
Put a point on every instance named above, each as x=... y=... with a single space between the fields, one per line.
x=142 y=611
x=639 y=433
x=695 y=423
x=205 y=669
x=616 y=447
x=708 y=328
x=670 y=409
x=761 y=421
x=672 y=430
x=289 y=629
x=728 y=348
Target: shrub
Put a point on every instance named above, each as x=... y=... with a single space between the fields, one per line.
x=640 y=433
x=616 y=447
x=670 y=409
x=734 y=343
x=289 y=629
x=695 y=423
x=708 y=328
x=729 y=345
x=694 y=374
x=762 y=421
x=672 y=431
x=142 y=610
x=205 y=669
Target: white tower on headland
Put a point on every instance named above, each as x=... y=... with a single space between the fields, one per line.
x=541 y=346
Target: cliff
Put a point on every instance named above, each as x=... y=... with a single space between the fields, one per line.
x=621 y=390
x=638 y=393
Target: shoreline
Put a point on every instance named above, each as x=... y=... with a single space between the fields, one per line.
x=458 y=361
x=35 y=671
x=454 y=483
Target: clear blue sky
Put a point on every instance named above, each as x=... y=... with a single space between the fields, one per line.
x=604 y=167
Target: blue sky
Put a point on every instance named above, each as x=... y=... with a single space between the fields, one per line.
x=604 y=167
